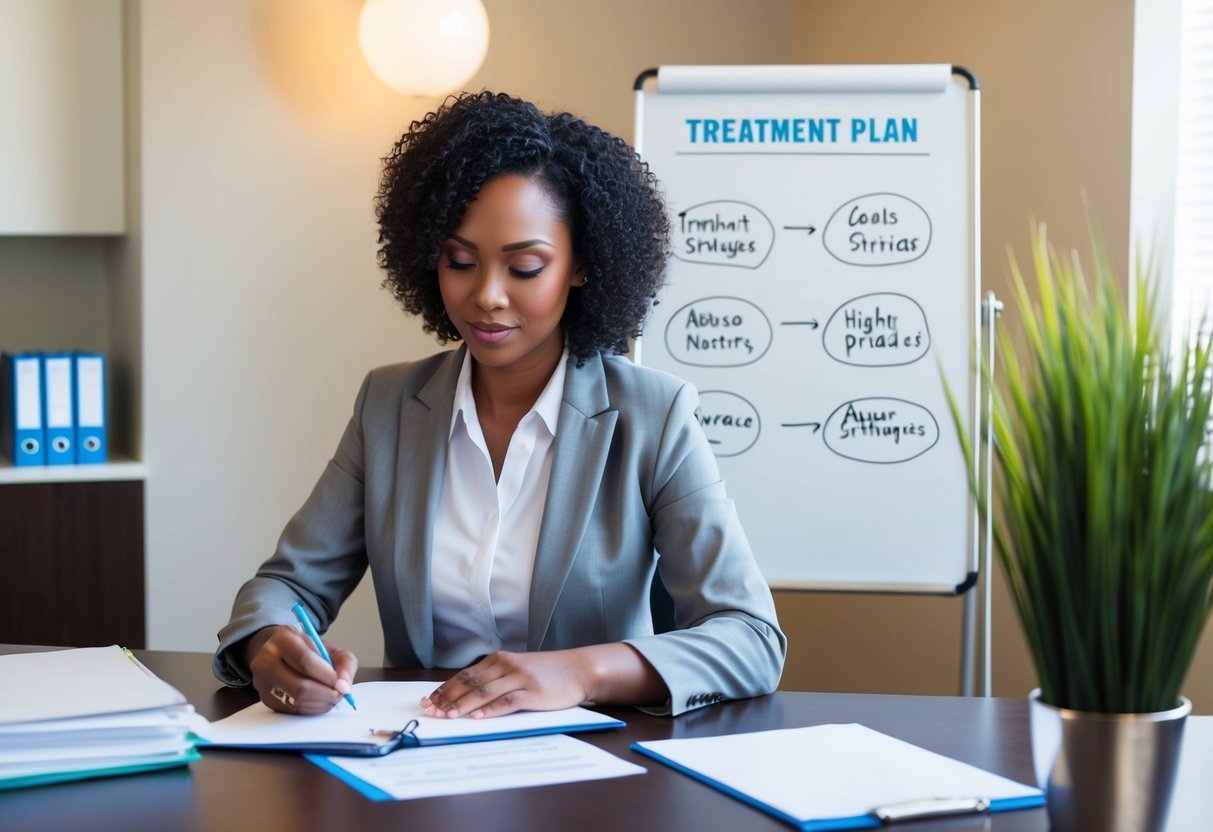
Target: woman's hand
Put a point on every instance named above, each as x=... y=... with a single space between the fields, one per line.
x=504 y=682
x=292 y=677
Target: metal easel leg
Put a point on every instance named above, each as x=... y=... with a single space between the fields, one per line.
x=992 y=309
x=969 y=628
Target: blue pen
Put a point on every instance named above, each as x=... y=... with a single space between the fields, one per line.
x=306 y=623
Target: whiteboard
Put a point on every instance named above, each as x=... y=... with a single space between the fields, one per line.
x=824 y=282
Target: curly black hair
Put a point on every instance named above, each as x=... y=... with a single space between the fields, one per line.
x=608 y=197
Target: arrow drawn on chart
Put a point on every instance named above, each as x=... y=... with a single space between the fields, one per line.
x=811 y=323
x=816 y=426
x=809 y=228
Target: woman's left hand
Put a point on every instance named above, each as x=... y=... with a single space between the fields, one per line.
x=503 y=682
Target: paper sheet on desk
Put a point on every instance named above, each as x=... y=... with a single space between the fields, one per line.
x=477 y=767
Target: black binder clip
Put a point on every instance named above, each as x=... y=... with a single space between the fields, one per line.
x=406 y=737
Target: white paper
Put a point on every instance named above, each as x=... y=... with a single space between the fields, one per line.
x=29 y=393
x=383 y=706
x=832 y=771
x=176 y=719
x=90 y=385
x=485 y=766
x=784 y=78
x=17 y=758
x=95 y=765
x=59 y=392
x=86 y=681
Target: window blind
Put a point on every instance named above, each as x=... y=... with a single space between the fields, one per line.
x=1192 y=275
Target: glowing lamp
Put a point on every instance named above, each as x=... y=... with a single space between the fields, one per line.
x=424 y=47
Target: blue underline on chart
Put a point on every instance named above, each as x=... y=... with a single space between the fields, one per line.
x=785 y=153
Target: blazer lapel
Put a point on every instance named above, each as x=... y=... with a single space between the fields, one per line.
x=583 y=438
x=425 y=422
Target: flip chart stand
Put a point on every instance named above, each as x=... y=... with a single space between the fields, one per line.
x=983 y=472
x=826 y=274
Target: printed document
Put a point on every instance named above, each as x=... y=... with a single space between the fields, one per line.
x=477 y=767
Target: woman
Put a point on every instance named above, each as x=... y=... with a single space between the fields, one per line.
x=513 y=497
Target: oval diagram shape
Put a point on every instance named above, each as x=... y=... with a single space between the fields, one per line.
x=881 y=229
x=730 y=422
x=880 y=430
x=723 y=233
x=718 y=332
x=883 y=329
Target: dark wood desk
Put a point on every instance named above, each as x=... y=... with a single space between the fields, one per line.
x=228 y=791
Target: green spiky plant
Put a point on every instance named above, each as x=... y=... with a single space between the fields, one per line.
x=1105 y=522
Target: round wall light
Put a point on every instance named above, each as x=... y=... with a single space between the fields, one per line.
x=424 y=47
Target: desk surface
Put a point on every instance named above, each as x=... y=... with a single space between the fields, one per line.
x=273 y=792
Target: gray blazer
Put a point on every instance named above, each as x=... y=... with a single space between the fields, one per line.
x=634 y=486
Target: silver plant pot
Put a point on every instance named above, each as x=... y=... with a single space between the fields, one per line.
x=1106 y=772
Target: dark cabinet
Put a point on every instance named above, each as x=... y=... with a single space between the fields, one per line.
x=71 y=563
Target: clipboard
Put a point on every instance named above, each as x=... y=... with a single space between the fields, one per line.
x=833 y=777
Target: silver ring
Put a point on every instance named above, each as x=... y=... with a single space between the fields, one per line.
x=283 y=697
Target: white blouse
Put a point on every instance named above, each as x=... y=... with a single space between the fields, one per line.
x=486 y=531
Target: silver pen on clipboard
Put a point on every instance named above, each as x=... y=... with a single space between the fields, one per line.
x=915 y=809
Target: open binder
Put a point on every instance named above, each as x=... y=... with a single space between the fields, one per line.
x=388 y=719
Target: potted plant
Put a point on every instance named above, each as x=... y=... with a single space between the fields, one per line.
x=1104 y=528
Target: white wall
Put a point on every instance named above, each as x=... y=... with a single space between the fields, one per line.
x=261 y=134
x=261 y=299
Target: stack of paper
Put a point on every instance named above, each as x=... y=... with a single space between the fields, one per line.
x=89 y=712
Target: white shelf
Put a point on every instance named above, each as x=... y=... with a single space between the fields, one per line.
x=106 y=472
